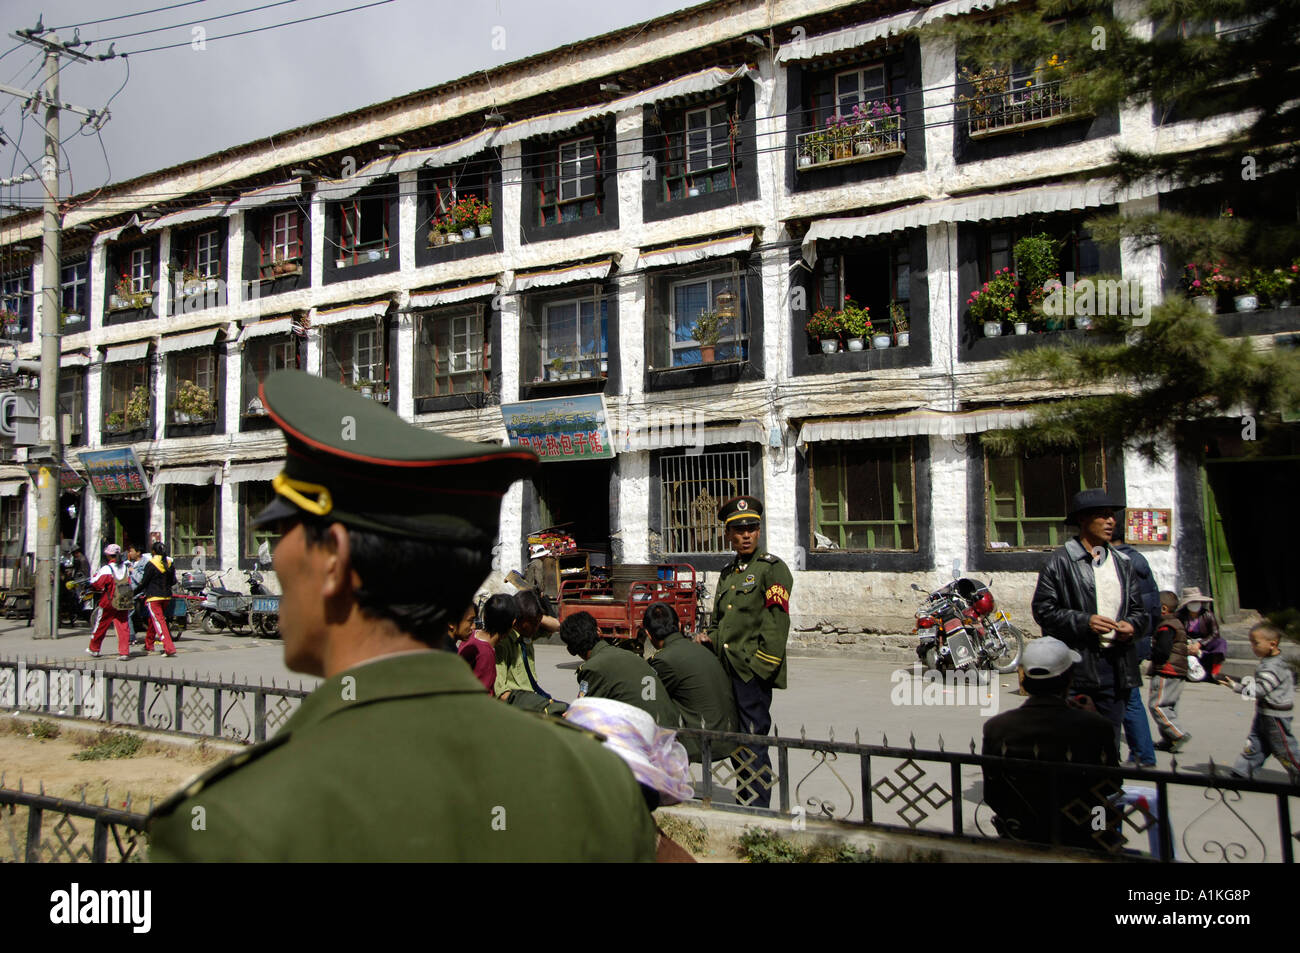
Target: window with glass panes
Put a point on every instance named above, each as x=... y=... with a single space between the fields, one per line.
x=1028 y=495
x=141 y=270
x=721 y=294
x=1078 y=252
x=200 y=367
x=16 y=299
x=72 y=399
x=568 y=187
x=857 y=87
x=692 y=486
x=573 y=334
x=261 y=357
x=453 y=353
x=207 y=254
x=363 y=228
x=355 y=353
x=256 y=496
x=192 y=520
x=12 y=520
x=120 y=381
x=73 y=280
x=700 y=151
x=863 y=496
x=281 y=237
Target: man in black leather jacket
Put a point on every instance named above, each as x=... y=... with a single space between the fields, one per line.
x=1066 y=606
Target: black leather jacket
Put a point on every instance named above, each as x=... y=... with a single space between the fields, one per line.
x=1064 y=600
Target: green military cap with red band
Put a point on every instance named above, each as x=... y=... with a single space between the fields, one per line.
x=741 y=511
x=354 y=461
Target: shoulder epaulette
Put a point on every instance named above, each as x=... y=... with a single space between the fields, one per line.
x=769 y=558
x=565 y=723
x=217 y=772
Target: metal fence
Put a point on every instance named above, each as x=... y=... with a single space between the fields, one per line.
x=1201 y=816
x=36 y=828
x=211 y=709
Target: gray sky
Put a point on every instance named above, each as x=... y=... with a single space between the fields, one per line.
x=185 y=103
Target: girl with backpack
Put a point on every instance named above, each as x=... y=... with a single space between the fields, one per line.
x=112 y=582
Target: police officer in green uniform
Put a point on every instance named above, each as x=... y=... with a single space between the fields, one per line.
x=398 y=755
x=608 y=671
x=694 y=677
x=751 y=621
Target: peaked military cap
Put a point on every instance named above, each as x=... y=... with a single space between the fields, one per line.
x=741 y=511
x=356 y=462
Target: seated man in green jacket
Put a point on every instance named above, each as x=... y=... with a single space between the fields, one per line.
x=694 y=679
x=517 y=664
x=611 y=672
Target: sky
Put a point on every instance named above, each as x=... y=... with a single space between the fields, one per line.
x=211 y=94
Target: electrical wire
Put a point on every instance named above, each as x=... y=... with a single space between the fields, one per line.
x=176 y=26
x=261 y=29
x=127 y=16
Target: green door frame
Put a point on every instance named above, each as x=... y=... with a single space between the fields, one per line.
x=1223 y=574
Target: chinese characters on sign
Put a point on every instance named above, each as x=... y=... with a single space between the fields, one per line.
x=114 y=472
x=560 y=428
x=1147 y=526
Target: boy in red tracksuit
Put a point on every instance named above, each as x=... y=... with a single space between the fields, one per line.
x=106 y=581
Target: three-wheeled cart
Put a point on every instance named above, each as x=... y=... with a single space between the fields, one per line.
x=618 y=600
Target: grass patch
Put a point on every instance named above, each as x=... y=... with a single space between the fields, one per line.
x=44 y=730
x=690 y=834
x=758 y=845
x=111 y=744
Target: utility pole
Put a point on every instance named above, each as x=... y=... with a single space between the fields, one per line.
x=50 y=455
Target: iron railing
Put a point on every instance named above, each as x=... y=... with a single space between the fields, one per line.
x=192 y=706
x=867 y=140
x=1015 y=107
x=1185 y=816
x=37 y=828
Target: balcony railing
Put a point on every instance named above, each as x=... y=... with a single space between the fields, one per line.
x=1019 y=108
x=844 y=144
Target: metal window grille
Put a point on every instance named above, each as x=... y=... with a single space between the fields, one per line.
x=692 y=487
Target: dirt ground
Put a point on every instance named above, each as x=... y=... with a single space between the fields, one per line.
x=156 y=770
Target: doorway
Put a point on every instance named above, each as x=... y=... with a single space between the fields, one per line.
x=575 y=497
x=126 y=522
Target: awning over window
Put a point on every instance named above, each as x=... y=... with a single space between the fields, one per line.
x=432 y=299
x=563 y=276
x=255 y=472
x=697 y=251
x=74 y=359
x=126 y=352
x=188 y=476
x=185 y=216
x=186 y=342
x=811 y=47
x=352 y=312
x=261 y=329
x=916 y=423
x=974 y=208
x=673 y=432
x=11 y=488
x=334 y=190
x=259 y=197
x=112 y=234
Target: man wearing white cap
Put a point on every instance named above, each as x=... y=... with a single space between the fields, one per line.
x=1049 y=727
x=113 y=584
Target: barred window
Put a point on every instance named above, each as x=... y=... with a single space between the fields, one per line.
x=692 y=487
x=863 y=496
x=1027 y=496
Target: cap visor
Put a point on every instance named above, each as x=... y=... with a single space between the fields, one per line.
x=278 y=509
x=746 y=523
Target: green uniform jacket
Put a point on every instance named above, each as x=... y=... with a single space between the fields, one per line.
x=751 y=618
x=407 y=759
x=698 y=686
x=514 y=677
x=611 y=672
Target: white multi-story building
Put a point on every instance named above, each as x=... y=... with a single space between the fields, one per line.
x=709 y=162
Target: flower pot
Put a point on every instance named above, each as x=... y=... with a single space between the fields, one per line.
x=1022 y=327
x=1284 y=303
x=706 y=353
x=864 y=147
x=484 y=231
x=830 y=345
x=374 y=254
x=692 y=191
x=437 y=238
x=1055 y=324
x=993 y=329
x=454 y=238
x=843 y=150
x=367 y=391
x=880 y=340
x=903 y=338
x=805 y=161
x=181 y=418
x=468 y=234
x=856 y=344
x=1245 y=302
x=1083 y=322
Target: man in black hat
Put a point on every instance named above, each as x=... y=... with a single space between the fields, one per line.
x=1087 y=596
x=399 y=754
x=751 y=621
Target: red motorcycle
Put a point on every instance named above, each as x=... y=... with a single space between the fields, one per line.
x=961 y=629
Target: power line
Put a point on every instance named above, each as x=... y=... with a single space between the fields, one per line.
x=175 y=26
x=273 y=26
x=126 y=16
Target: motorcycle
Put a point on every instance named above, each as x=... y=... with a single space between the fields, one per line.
x=75 y=603
x=222 y=608
x=961 y=629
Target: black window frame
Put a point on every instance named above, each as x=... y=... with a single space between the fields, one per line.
x=541 y=158
x=377 y=202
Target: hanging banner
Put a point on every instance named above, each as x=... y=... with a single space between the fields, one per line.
x=561 y=428
x=70 y=480
x=115 y=472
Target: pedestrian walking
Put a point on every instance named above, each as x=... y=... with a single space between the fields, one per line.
x=751 y=621
x=115 y=603
x=1168 y=673
x=1137 y=732
x=157 y=583
x=1274 y=691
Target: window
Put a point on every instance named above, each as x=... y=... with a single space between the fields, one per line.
x=128 y=404
x=281 y=246
x=141 y=273
x=1078 y=252
x=707 y=142
x=454 y=354
x=363 y=230
x=255 y=497
x=863 y=497
x=1027 y=496
x=72 y=400
x=261 y=357
x=850 y=117
x=873 y=276
x=207 y=254
x=712 y=302
x=692 y=487
x=73 y=281
x=571 y=340
x=354 y=355
x=857 y=87
x=193 y=521
x=193 y=395
x=1018 y=95
x=16 y=305
x=12 y=528
x=700 y=151
x=569 y=186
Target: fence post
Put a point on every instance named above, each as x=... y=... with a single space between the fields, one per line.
x=1166 y=825
x=216 y=713
x=180 y=706
x=259 y=715
x=1284 y=824
x=99 y=850
x=32 y=852
x=783 y=762
x=865 y=760
x=956 y=801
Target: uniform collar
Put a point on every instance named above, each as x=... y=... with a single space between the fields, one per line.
x=674 y=637
x=403 y=675
x=598 y=647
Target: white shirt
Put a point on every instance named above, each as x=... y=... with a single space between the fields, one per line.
x=1110 y=590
